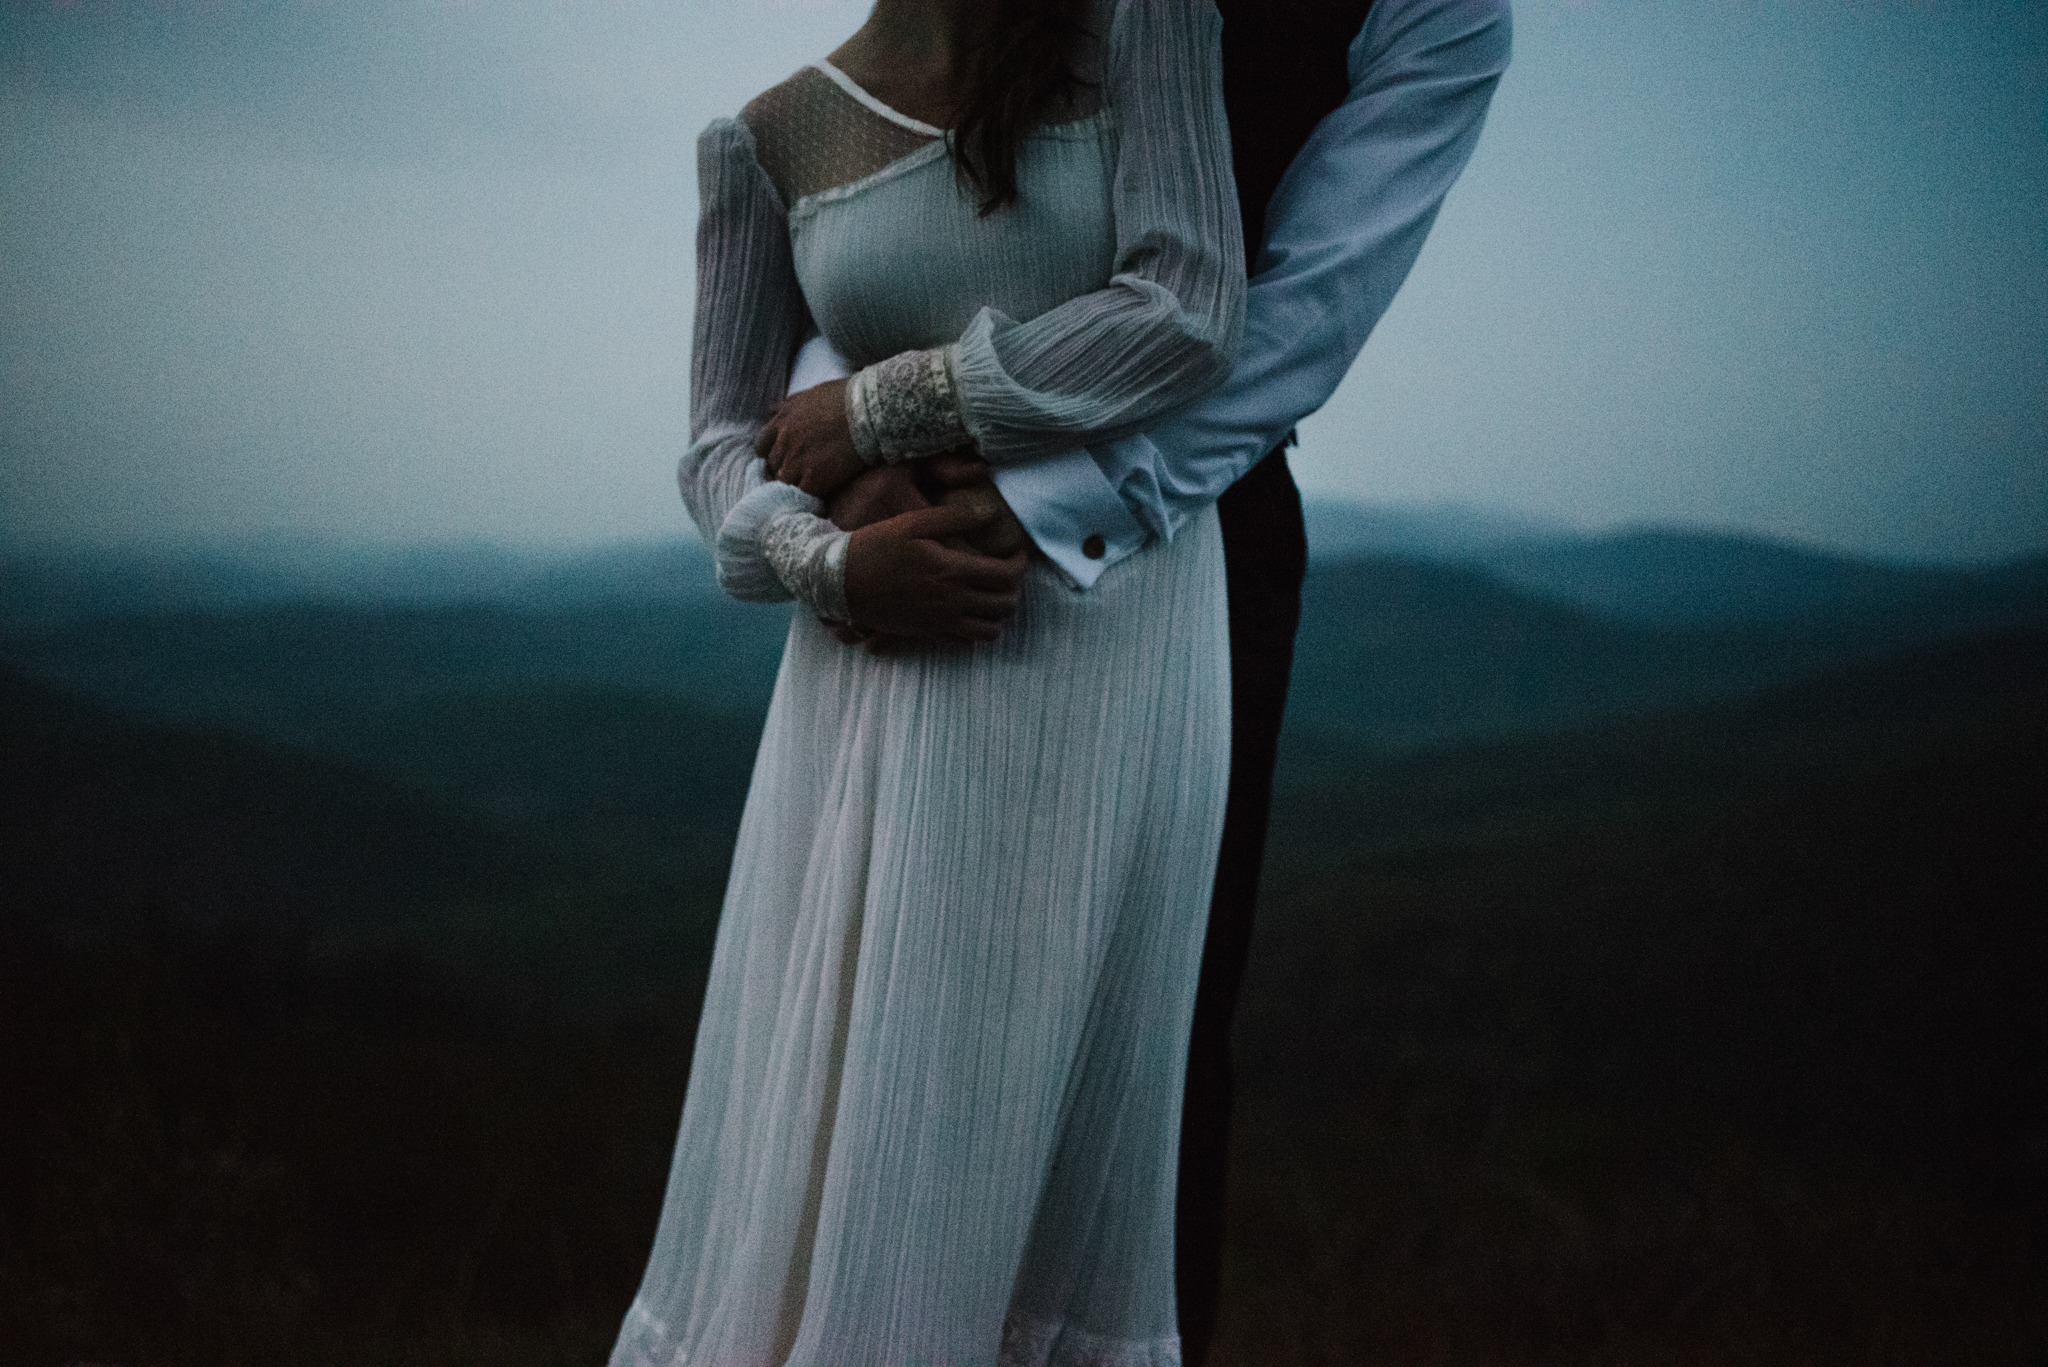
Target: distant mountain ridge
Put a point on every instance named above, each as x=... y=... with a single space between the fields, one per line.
x=49 y=588
x=1404 y=653
x=1480 y=638
x=1339 y=529
x=1662 y=575
x=1669 y=575
x=1679 y=577
x=299 y=671
x=1393 y=654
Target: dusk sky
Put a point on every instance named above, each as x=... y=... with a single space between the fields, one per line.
x=422 y=270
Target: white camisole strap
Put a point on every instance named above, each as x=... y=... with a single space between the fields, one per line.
x=847 y=83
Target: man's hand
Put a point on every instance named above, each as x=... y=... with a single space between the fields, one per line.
x=807 y=442
x=875 y=496
x=962 y=479
x=902 y=580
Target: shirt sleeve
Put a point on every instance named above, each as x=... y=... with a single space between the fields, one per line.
x=1343 y=229
x=750 y=317
x=1167 y=324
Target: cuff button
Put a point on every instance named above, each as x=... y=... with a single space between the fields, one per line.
x=1094 y=547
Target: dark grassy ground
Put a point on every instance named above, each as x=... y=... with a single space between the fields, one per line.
x=302 y=1066
x=1717 y=1037
x=233 y=1158
x=1712 y=1037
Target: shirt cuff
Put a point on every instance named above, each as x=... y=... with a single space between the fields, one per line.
x=903 y=407
x=1073 y=512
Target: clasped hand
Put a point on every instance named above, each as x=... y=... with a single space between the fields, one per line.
x=807 y=442
x=935 y=554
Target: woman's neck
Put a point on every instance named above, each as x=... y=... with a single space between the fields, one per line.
x=907 y=55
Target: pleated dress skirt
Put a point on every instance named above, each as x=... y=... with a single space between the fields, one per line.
x=933 y=1113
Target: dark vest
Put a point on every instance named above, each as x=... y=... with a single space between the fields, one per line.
x=1283 y=71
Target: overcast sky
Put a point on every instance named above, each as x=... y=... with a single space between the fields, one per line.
x=422 y=270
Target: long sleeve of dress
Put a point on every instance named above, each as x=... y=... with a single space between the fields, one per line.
x=750 y=318
x=1166 y=326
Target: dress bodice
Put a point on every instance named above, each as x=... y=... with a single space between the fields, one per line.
x=889 y=246
x=1109 y=293
x=901 y=259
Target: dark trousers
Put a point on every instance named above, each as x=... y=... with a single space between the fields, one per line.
x=1265 y=551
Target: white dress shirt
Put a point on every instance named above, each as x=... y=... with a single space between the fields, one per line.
x=1342 y=232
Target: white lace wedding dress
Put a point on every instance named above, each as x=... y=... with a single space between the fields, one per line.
x=933 y=1110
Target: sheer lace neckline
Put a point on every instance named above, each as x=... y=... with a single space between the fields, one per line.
x=869 y=102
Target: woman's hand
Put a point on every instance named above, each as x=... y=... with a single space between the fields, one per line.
x=807 y=442
x=902 y=580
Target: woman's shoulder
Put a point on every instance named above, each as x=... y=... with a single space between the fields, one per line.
x=810 y=134
x=788 y=104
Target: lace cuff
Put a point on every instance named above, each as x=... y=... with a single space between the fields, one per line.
x=903 y=407
x=742 y=566
x=808 y=554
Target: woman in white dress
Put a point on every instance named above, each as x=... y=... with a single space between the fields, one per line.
x=933 y=1108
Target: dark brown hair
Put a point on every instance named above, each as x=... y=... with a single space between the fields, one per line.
x=1019 y=71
